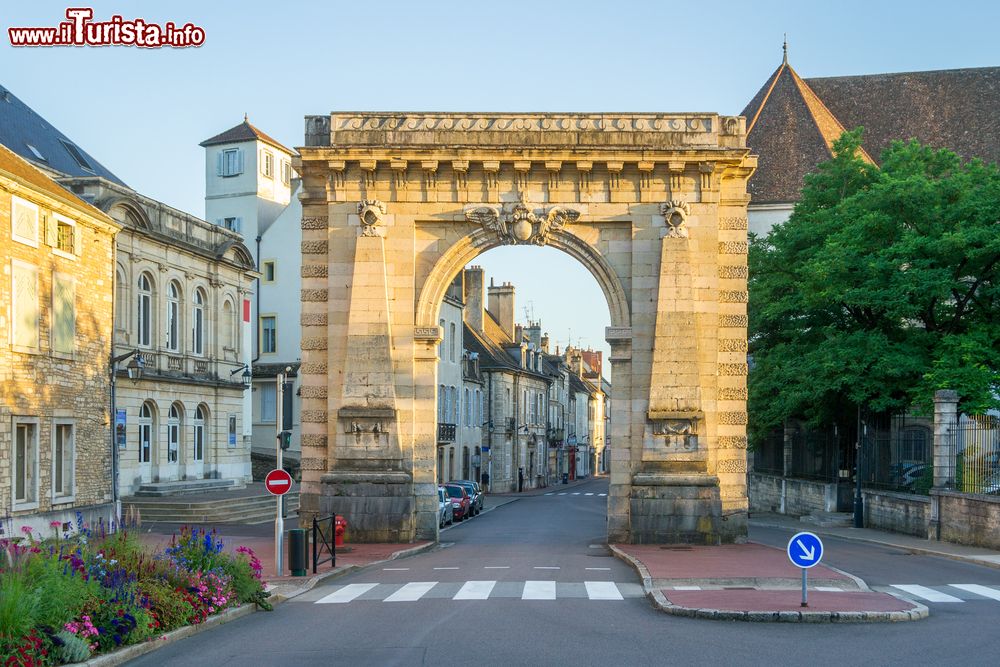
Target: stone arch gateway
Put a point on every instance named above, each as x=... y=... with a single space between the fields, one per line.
x=653 y=205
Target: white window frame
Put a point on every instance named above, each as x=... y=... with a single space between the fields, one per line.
x=144 y=329
x=148 y=425
x=268 y=403
x=173 y=342
x=227 y=167
x=71 y=285
x=74 y=240
x=31 y=349
x=69 y=466
x=267 y=163
x=175 y=426
x=198 y=439
x=198 y=321
x=15 y=202
x=28 y=504
x=286 y=171
x=235 y=226
x=269 y=316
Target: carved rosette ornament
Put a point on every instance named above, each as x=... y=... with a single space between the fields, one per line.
x=371 y=211
x=675 y=213
x=516 y=224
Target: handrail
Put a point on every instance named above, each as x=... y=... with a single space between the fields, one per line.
x=329 y=543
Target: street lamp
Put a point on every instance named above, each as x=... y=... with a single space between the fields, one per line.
x=134 y=368
x=246 y=377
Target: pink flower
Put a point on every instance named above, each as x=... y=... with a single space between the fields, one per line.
x=26 y=530
x=55 y=524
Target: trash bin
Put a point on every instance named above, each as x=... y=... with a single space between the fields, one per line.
x=298 y=546
x=565 y=478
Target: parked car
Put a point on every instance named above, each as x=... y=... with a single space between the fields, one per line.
x=475 y=494
x=445 y=514
x=461 y=504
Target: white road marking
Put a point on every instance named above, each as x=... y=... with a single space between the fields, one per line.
x=602 y=590
x=550 y=494
x=546 y=567
x=687 y=588
x=576 y=493
x=562 y=494
x=602 y=494
x=395 y=569
x=346 y=594
x=597 y=568
x=588 y=494
x=411 y=592
x=928 y=594
x=539 y=590
x=475 y=590
x=829 y=589
x=985 y=591
x=446 y=568
x=496 y=567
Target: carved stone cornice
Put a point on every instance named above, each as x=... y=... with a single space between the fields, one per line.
x=371 y=212
x=517 y=224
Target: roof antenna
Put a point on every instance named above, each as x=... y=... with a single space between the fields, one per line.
x=784 y=50
x=246 y=118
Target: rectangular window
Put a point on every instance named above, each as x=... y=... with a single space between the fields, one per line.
x=232 y=224
x=268 y=335
x=63 y=235
x=25 y=463
x=24 y=279
x=267 y=269
x=24 y=221
x=286 y=172
x=267 y=163
x=63 y=313
x=230 y=162
x=62 y=461
x=268 y=402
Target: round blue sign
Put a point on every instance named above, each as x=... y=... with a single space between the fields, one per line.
x=805 y=550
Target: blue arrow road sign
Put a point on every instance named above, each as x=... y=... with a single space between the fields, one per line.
x=805 y=550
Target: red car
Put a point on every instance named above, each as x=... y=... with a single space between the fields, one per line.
x=460 y=501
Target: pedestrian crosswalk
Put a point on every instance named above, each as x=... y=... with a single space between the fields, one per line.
x=948 y=593
x=473 y=590
x=575 y=493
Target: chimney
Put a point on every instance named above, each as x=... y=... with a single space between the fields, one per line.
x=501 y=305
x=534 y=333
x=473 y=297
x=545 y=344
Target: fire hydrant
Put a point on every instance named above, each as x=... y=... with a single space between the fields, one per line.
x=339 y=527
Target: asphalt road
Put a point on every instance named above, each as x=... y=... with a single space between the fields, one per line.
x=394 y=616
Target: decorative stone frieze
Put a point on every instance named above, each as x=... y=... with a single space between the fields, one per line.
x=732 y=369
x=313 y=223
x=732 y=442
x=733 y=248
x=733 y=296
x=675 y=214
x=733 y=271
x=732 y=393
x=314 y=270
x=314 y=295
x=371 y=212
x=518 y=224
x=733 y=417
x=733 y=223
x=314 y=247
x=732 y=465
x=732 y=345
x=735 y=321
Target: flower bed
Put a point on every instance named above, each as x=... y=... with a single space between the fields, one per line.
x=66 y=598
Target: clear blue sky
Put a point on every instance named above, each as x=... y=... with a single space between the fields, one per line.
x=143 y=112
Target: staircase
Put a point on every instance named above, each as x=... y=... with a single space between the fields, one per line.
x=251 y=505
x=185 y=487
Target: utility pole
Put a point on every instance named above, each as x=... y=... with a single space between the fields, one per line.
x=279 y=520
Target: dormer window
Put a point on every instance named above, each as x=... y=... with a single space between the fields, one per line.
x=36 y=152
x=230 y=162
x=77 y=155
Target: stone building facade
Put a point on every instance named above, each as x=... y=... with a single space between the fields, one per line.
x=56 y=301
x=654 y=205
x=182 y=289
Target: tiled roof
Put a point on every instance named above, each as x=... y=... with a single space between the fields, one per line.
x=792 y=122
x=21 y=129
x=244 y=132
x=14 y=166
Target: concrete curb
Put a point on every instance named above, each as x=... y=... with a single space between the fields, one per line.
x=132 y=652
x=884 y=543
x=660 y=601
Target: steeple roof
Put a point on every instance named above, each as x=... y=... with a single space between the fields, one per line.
x=792 y=122
x=244 y=132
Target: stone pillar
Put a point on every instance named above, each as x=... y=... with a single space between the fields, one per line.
x=944 y=454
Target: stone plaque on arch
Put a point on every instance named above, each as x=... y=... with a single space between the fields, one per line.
x=409 y=199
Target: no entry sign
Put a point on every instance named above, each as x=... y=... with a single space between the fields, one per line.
x=278 y=482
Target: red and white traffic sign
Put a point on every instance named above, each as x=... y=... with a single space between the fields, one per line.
x=278 y=482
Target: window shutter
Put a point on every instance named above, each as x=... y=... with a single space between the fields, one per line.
x=238 y=226
x=51 y=231
x=77 y=241
x=239 y=161
x=25 y=282
x=63 y=315
x=219 y=168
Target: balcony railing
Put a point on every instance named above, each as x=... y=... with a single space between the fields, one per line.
x=446 y=432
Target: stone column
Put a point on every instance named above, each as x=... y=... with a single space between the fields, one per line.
x=944 y=454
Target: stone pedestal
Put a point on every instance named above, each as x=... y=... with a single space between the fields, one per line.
x=379 y=506
x=676 y=508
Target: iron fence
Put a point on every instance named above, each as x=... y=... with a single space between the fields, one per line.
x=977 y=447
x=815 y=454
x=769 y=453
x=324 y=539
x=896 y=453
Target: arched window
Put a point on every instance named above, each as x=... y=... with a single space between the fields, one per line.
x=173 y=316
x=144 y=314
x=147 y=427
x=200 y=418
x=175 y=422
x=227 y=330
x=198 y=322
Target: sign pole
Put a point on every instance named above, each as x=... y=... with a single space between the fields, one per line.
x=279 y=522
x=805 y=550
x=805 y=602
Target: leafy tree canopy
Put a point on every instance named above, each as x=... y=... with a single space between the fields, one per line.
x=882 y=287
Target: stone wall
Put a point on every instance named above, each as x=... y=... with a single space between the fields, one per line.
x=897 y=512
x=970 y=518
x=795 y=497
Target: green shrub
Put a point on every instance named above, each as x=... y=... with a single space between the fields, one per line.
x=70 y=647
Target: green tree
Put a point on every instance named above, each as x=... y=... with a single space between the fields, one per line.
x=880 y=288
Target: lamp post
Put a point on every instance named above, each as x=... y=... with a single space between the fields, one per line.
x=134 y=369
x=246 y=377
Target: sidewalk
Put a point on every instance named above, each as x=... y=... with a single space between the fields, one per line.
x=977 y=555
x=553 y=486
x=753 y=582
x=260 y=538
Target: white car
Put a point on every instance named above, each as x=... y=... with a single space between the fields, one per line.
x=445 y=515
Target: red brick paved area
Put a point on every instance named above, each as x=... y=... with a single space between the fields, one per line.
x=729 y=561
